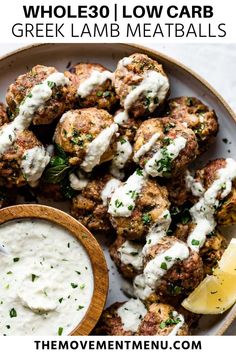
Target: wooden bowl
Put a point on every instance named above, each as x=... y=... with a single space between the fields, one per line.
x=90 y=244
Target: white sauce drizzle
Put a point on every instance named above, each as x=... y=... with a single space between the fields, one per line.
x=154 y=85
x=121 y=117
x=131 y=253
x=123 y=152
x=96 y=78
x=123 y=199
x=158 y=266
x=203 y=211
x=98 y=147
x=180 y=318
x=124 y=62
x=33 y=164
x=193 y=185
x=146 y=147
x=153 y=167
x=78 y=182
x=157 y=231
x=131 y=313
x=38 y=96
x=109 y=189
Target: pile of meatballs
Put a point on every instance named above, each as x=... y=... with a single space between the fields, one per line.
x=132 y=106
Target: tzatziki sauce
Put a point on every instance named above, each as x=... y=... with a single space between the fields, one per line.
x=46 y=279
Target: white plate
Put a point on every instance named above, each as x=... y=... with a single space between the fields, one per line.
x=183 y=83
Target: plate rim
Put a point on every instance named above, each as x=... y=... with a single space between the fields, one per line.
x=151 y=52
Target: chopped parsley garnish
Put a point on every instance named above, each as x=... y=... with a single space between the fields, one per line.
x=139 y=172
x=169 y=322
x=168 y=258
x=82 y=286
x=80 y=307
x=195 y=242
x=77 y=272
x=122 y=140
x=99 y=93
x=133 y=254
x=68 y=244
x=164 y=164
x=60 y=300
x=146 y=219
x=60 y=331
x=16 y=259
x=130 y=207
x=51 y=84
x=33 y=277
x=73 y=285
x=8 y=326
x=118 y=203
x=163 y=266
x=13 y=313
x=9 y=272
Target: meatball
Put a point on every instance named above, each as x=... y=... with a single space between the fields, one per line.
x=127 y=256
x=164 y=147
x=149 y=206
x=90 y=207
x=94 y=87
x=62 y=98
x=17 y=166
x=114 y=321
x=3 y=114
x=163 y=320
x=183 y=276
x=197 y=116
x=226 y=210
x=88 y=136
x=141 y=84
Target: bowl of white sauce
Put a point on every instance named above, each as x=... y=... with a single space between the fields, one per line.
x=53 y=274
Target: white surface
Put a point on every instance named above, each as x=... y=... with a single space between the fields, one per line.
x=206 y=60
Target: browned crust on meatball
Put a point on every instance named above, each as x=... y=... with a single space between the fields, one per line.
x=152 y=201
x=212 y=250
x=10 y=161
x=198 y=117
x=127 y=270
x=184 y=276
x=131 y=75
x=157 y=322
x=110 y=323
x=88 y=207
x=78 y=128
x=62 y=99
x=168 y=129
x=102 y=96
x=177 y=190
x=3 y=114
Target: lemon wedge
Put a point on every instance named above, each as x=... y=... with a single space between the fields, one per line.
x=217 y=292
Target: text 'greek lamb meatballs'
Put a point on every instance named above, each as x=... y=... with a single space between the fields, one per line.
x=164 y=147
x=93 y=83
x=141 y=84
x=62 y=98
x=88 y=136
